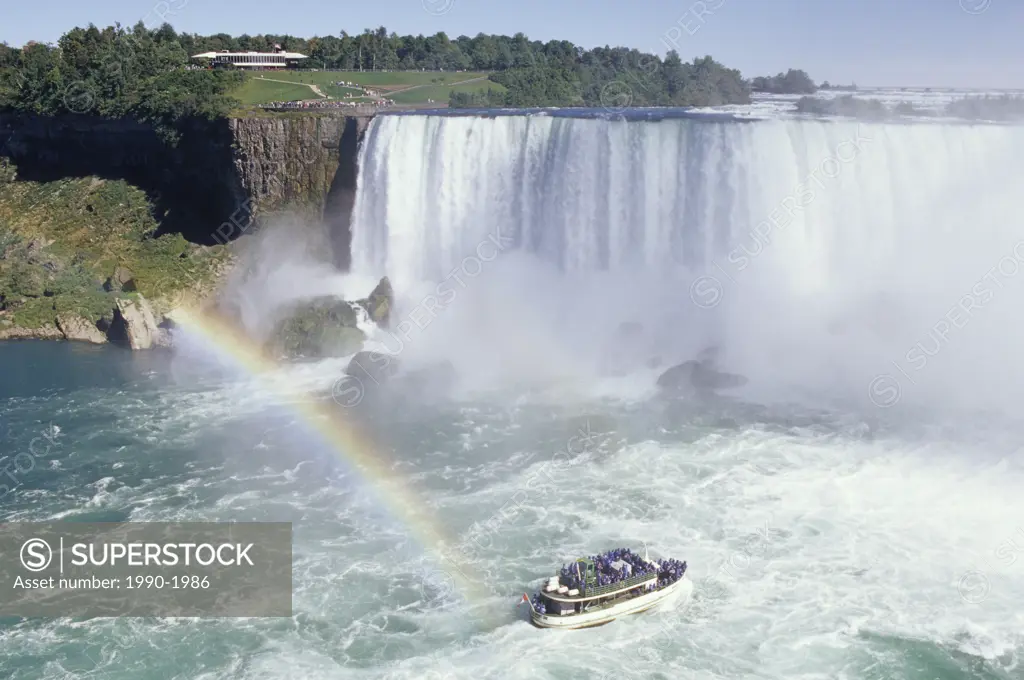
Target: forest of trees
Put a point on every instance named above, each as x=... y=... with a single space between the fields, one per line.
x=852 y=87
x=793 y=81
x=114 y=73
x=614 y=78
x=142 y=73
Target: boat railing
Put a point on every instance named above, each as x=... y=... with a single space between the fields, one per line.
x=624 y=584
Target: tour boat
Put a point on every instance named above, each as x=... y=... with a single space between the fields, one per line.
x=596 y=590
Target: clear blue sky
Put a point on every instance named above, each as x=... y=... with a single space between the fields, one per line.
x=872 y=42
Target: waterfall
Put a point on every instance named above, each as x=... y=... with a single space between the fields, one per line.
x=779 y=228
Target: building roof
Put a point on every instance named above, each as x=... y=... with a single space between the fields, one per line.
x=287 y=55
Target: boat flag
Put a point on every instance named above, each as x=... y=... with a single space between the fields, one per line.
x=525 y=599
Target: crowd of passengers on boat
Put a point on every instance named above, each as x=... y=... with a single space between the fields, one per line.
x=615 y=566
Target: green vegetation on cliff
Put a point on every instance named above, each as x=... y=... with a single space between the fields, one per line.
x=74 y=245
x=36 y=285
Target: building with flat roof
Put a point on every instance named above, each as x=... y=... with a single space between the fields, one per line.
x=278 y=59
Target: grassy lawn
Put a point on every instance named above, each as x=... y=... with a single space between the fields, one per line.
x=382 y=79
x=340 y=92
x=257 y=91
x=428 y=85
x=440 y=93
x=343 y=92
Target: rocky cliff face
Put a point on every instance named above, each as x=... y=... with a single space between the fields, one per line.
x=193 y=186
x=221 y=180
x=77 y=327
x=134 y=324
x=301 y=163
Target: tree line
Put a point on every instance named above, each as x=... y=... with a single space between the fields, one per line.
x=114 y=73
x=613 y=78
x=1001 y=108
x=793 y=81
x=144 y=73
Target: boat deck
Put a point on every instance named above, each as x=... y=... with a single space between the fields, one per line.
x=604 y=591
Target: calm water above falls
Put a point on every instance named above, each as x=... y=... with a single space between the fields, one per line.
x=827 y=537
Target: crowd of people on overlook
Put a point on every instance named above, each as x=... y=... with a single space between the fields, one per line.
x=328 y=104
x=362 y=90
x=378 y=100
x=355 y=86
x=615 y=566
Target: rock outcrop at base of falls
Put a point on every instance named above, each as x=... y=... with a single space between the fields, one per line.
x=328 y=326
x=379 y=303
x=699 y=376
x=373 y=375
x=366 y=373
x=323 y=327
x=373 y=369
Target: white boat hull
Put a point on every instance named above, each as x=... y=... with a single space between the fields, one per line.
x=635 y=605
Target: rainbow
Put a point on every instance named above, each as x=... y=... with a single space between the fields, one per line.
x=347 y=443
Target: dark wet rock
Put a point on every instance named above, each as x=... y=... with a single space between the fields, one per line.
x=323 y=327
x=373 y=376
x=372 y=368
x=700 y=376
x=380 y=303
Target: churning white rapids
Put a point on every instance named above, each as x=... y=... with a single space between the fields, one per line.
x=852 y=512
x=864 y=277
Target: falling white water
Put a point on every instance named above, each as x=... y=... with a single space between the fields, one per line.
x=803 y=241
